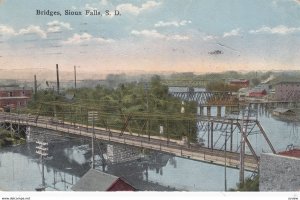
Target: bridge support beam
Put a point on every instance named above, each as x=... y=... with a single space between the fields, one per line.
x=219 y=109
x=208 y=134
x=212 y=136
x=200 y=110
x=208 y=111
x=231 y=135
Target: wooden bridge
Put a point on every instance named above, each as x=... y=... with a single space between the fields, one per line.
x=175 y=147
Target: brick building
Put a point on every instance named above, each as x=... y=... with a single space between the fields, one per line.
x=257 y=93
x=287 y=91
x=13 y=96
x=239 y=83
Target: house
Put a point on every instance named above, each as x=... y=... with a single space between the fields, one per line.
x=14 y=96
x=257 y=93
x=240 y=83
x=95 y=180
x=242 y=93
x=283 y=111
x=279 y=172
x=264 y=86
x=287 y=91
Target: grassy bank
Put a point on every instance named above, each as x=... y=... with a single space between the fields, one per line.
x=8 y=139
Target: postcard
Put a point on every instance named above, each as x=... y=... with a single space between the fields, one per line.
x=149 y=95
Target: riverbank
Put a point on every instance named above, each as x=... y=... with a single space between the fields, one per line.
x=9 y=139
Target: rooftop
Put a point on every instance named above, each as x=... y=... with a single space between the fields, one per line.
x=95 y=180
x=291 y=153
x=287 y=82
x=239 y=81
x=11 y=88
x=283 y=110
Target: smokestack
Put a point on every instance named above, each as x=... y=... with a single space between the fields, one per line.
x=35 y=85
x=57 y=76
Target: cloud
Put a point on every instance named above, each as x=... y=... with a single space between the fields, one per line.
x=53 y=26
x=173 y=23
x=56 y=26
x=130 y=8
x=297 y=1
x=2 y=1
x=157 y=35
x=280 y=30
x=148 y=33
x=7 y=30
x=34 y=30
x=104 y=2
x=210 y=37
x=84 y=38
x=234 y=32
x=89 y=7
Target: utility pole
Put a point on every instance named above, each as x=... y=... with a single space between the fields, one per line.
x=35 y=85
x=75 y=76
x=242 y=151
x=42 y=150
x=225 y=168
x=93 y=145
x=57 y=78
x=92 y=115
x=147 y=129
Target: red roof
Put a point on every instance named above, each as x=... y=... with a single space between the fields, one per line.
x=291 y=153
x=239 y=81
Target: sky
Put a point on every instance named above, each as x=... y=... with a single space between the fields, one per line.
x=151 y=35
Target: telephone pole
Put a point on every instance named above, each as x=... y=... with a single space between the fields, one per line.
x=42 y=150
x=147 y=127
x=35 y=85
x=92 y=116
x=225 y=168
x=57 y=78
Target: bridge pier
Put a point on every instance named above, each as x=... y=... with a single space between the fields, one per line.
x=208 y=134
x=200 y=110
x=212 y=136
x=219 y=110
x=122 y=153
x=208 y=111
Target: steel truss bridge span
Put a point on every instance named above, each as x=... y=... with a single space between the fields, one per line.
x=208 y=154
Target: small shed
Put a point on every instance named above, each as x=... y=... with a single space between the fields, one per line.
x=95 y=180
x=283 y=111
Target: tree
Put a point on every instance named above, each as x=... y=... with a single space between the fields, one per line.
x=249 y=185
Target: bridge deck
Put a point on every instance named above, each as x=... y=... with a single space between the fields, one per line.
x=156 y=143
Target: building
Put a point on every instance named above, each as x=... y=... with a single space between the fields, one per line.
x=264 y=86
x=257 y=93
x=95 y=180
x=287 y=91
x=14 y=96
x=239 y=83
x=280 y=172
x=283 y=111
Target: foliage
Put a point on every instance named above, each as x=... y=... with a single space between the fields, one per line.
x=7 y=138
x=138 y=102
x=249 y=185
x=221 y=86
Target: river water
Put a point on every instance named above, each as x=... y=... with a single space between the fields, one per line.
x=21 y=170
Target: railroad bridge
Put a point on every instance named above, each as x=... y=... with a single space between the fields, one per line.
x=214 y=150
